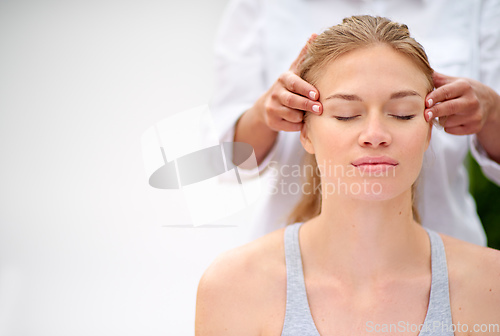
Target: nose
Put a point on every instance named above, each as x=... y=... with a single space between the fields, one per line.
x=375 y=133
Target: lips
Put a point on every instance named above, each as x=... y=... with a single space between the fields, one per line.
x=374 y=161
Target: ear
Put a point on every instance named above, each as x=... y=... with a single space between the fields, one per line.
x=305 y=140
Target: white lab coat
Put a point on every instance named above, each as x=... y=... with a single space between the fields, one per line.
x=259 y=39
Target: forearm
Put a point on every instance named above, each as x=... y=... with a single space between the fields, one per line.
x=489 y=136
x=251 y=129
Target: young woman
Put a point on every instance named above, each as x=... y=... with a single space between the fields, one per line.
x=356 y=261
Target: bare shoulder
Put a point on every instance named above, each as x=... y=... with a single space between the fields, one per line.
x=474 y=274
x=233 y=291
x=260 y=256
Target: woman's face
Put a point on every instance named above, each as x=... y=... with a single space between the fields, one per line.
x=370 y=140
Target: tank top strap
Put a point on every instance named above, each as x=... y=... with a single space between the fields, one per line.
x=438 y=320
x=298 y=318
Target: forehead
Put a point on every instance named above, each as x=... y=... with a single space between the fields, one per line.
x=375 y=71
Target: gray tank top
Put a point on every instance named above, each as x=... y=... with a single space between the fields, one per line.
x=298 y=318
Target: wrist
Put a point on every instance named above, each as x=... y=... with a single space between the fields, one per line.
x=493 y=115
x=256 y=114
x=488 y=137
x=253 y=120
x=251 y=128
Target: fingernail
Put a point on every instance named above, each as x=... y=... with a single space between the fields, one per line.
x=430 y=102
x=316 y=108
x=312 y=94
x=430 y=115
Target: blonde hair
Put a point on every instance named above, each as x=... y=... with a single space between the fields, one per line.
x=353 y=33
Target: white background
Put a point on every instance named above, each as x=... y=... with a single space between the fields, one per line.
x=83 y=245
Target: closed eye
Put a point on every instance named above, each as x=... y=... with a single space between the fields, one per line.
x=405 y=117
x=345 y=118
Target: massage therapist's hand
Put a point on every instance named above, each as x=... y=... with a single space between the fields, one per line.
x=281 y=108
x=283 y=105
x=466 y=106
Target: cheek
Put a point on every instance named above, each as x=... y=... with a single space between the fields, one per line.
x=331 y=142
x=422 y=136
x=415 y=144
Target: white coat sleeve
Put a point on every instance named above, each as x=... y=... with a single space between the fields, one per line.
x=490 y=75
x=239 y=68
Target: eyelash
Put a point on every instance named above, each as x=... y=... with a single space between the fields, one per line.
x=406 y=117
x=345 y=118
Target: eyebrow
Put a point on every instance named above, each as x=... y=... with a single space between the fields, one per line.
x=395 y=95
x=402 y=94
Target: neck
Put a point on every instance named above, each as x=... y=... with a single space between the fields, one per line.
x=360 y=240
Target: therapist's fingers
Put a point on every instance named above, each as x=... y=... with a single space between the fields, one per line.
x=284 y=119
x=290 y=127
x=458 y=123
x=452 y=92
x=291 y=96
x=297 y=102
x=283 y=104
x=459 y=104
x=294 y=84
